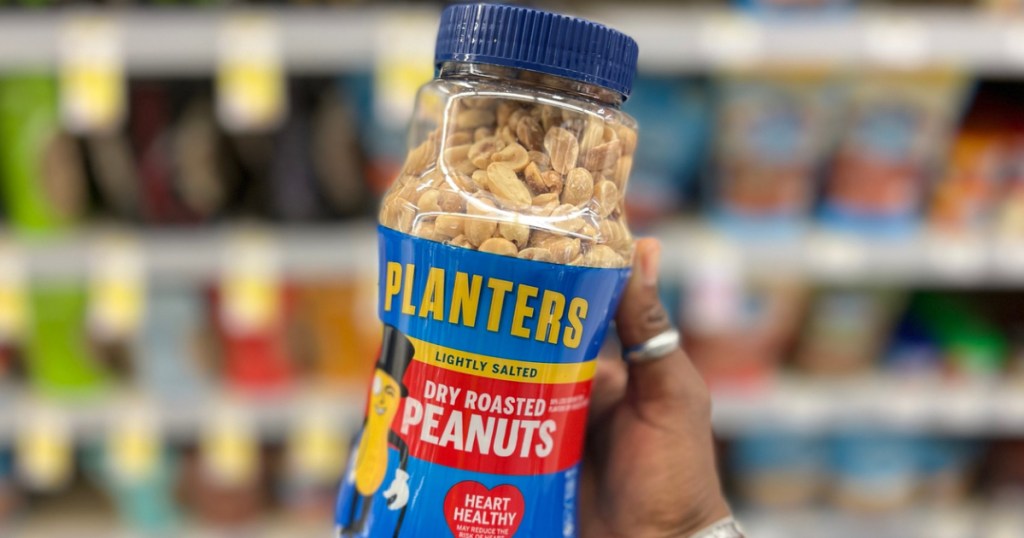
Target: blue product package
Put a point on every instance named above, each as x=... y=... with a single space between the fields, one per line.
x=873 y=469
x=170 y=363
x=675 y=114
x=773 y=133
x=777 y=468
x=893 y=135
x=479 y=400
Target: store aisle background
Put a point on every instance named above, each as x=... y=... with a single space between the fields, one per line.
x=187 y=253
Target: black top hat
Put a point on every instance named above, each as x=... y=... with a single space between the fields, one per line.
x=396 y=353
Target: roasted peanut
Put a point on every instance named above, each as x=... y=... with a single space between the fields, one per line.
x=503 y=182
x=579 y=187
x=471 y=118
x=481 y=151
x=498 y=245
x=515 y=232
x=449 y=225
x=542 y=182
x=563 y=149
x=606 y=197
x=451 y=202
x=428 y=201
x=536 y=254
x=530 y=133
x=513 y=155
x=457 y=158
x=603 y=256
x=603 y=156
x=563 y=249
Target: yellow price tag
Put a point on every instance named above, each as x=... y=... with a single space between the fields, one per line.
x=44 y=450
x=92 y=80
x=250 y=284
x=403 y=63
x=229 y=448
x=133 y=446
x=316 y=447
x=117 y=288
x=251 y=87
x=13 y=293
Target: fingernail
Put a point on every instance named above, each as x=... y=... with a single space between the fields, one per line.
x=649 y=264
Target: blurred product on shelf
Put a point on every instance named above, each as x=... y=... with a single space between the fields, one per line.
x=382 y=142
x=772 y=134
x=983 y=171
x=872 y=471
x=316 y=171
x=60 y=361
x=175 y=346
x=749 y=344
x=789 y=7
x=845 y=330
x=10 y=497
x=138 y=475
x=675 y=116
x=224 y=481
x=971 y=345
x=338 y=335
x=41 y=170
x=894 y=132
x=778 y=470
x=209 y=169
x=857 y=471
x=254 y=321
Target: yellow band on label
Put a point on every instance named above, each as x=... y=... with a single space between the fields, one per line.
x=498 y=368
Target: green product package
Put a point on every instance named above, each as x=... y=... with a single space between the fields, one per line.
x=41 y=182
x=58 y=358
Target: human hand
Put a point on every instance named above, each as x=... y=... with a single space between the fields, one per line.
x=649 y=466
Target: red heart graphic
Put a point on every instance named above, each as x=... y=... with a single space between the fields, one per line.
x=474 y=511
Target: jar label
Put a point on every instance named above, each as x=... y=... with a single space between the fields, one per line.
x=478 y=406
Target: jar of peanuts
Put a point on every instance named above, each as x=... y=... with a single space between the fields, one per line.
x=503 y=251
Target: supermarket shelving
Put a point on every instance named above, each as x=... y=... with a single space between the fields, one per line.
x=672 y=38
x=797 y=404
x=690 y=250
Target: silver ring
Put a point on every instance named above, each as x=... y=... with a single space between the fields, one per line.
x=656 y=347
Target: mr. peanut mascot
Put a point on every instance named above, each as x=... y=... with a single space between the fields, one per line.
x=371 y=454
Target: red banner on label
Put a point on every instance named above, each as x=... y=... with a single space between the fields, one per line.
x=480 y=424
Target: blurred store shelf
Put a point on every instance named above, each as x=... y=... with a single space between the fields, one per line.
x=267 y=417
x=691 y=250
x=910 y=405
x=201 y=254
x=961 y=521
x=183 y=41
x=98 y=525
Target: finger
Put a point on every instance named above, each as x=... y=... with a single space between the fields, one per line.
x=641 y=316
x=608 y=389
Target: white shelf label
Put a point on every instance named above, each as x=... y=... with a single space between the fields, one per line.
x=250 y=282
x=117 y=288
x=44 y=449
x=13 y=292
x=133 y=443
x=897 y=42
x=404 y=61
x=251 y=86
x=229 y=447
x=731 y=39
x=92 y=80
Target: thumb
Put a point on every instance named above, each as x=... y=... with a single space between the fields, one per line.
x=669 y=380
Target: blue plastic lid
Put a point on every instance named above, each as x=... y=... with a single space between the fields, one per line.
x=534 y=40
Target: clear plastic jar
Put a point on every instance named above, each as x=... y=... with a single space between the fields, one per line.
x=517 y=163
x=503 y=252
